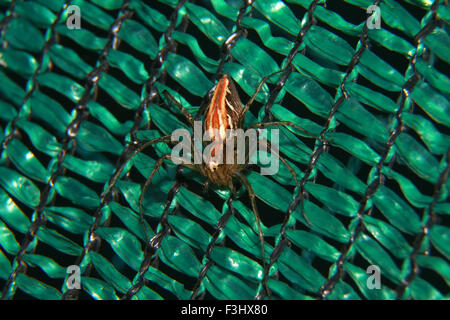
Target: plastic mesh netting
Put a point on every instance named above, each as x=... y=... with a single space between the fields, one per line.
x=75 y=103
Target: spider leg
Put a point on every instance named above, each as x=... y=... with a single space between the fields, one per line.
x=183 y=110
x=302 y=184
x=206 y=187
x=303 y=205
x=201 y=110
x=220 y=226
x=158 y=164
x=186 y=113
x=204 y=104
x=285 y=124
x=268 y=146
x=140 y=148
x=253 y=97
x=277 y=154
x=251 y=194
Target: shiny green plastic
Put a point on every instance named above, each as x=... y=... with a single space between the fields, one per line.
x=58 y=176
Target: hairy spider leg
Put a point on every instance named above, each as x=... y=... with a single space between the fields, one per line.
x=252 y=197
x=294 y=175
x=191 y=120
x=291 y=170
x=158 y=164
x=183 y=110
x=255 y=94
x=204 y=104
x=139 y=149
x=220 y=226
x=277 y=154
x=286 y=124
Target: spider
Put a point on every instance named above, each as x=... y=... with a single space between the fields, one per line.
x=222 y=109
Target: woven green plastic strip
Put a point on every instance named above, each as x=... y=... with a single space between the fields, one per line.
x=74 y=103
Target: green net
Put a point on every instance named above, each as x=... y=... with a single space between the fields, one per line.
x=75 y=102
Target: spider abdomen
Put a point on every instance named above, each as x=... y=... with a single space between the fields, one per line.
x=221 y=116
